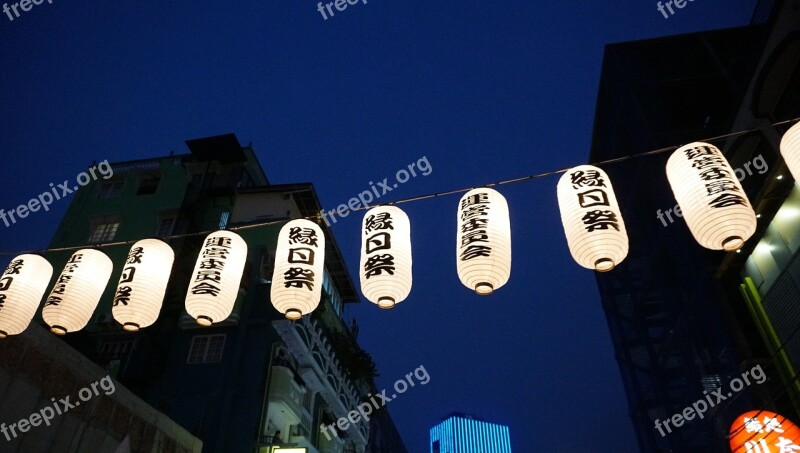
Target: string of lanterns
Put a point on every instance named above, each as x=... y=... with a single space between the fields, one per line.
x=712 y=200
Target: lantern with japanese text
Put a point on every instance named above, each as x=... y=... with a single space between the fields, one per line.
x=77 y=291
x=385 y=267
x=299 y=267
x=591 y=217
x=143 y=283
x=709 y=195
x=214 y=283
x=483 y=241
x=22 y=286
x=764 y=432
x=790 y=150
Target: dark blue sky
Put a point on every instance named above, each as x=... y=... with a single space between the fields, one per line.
x=485 y=90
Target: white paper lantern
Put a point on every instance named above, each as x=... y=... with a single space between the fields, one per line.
x=21 y=289
x=385 y=267
x=591 y=217
x=77 y=291
x=712 y=201
x=299 y=266
x=790 y=150
x=143 y=283
x=483 y=242
x=215 y=281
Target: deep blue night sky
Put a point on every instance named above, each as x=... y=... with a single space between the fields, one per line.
x=486 y=91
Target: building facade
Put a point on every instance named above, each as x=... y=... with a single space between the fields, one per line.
x=255 y=381
x=462 y=433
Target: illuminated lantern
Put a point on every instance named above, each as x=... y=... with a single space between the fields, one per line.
x=77 y=291
x=763 y=431
x=709 y=195
x=483 y=242
x=143 y=284
x=21 y=289
x=790 y=150
x=385 y=256
x=591 y=217
x=299 y=266
x=214 y=283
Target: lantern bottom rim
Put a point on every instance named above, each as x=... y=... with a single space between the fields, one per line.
x=604 y=265
x=131 y=326
x=58 y=330
x=204 y=321
x=386 y=302
x=293 y=314
x=732 y=243
x=484 y=288
x=3 y=334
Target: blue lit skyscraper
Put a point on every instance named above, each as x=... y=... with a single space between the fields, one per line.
x=461 y=433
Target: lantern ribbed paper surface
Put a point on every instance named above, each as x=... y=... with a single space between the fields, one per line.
x=790 y=150
x=299 y=267
x=77 y=291
x=385 y=267
x=21 y=289
x=712 y=201
x=214 y=284
x=141 y=288
x=591 y=217
x=483 y=242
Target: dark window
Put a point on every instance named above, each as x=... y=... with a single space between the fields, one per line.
x=166 y=227
x=206 y=349
x=437 y=448
x=110 y=189
x=148 y=185
x=103 y=232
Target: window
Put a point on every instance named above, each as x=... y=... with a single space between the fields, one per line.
x=223 y=219
x=103 y=232
x=148 y=185
x=206 y=349
x=110 y=189
x=166 y=227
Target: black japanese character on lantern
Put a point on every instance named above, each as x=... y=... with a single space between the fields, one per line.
x=589 y=178
x=298 y=235
x=297 y=277
x=378 y=264
x=600 y=220
x=379 y=221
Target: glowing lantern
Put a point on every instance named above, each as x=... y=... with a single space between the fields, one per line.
x=790 y=150
x=77 y=291
x=763 y=431
x=21 y=289
x=483 y=242
x=385 y=256
x=214 y=284
x=143 y=284
x=710 y=197
x=299 y=266
x=591 y=217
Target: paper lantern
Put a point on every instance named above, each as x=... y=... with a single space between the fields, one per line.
x=21 y=289
x=77 y=291
x=763 y=431
x=385 y=267
x=483 y=242
x=709 y=195
x=143 y=283
x=790 y=150
x=591 y=217
x=299 y=266
x=214 y=284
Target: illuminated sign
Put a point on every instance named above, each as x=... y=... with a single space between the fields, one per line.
x=764 y=432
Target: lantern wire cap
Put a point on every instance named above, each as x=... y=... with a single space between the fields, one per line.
x=732 y=243
x=58 y=330
x=293 y=314
x=604 y=265
x=3 y=335
x=204 y=321
x=386 y=302
x=131 y=326
x=484 y=288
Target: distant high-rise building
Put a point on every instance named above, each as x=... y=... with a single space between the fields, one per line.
x=461 y=433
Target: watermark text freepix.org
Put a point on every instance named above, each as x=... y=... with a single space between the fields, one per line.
x=60 y=407
x=45 y=199
x=700 y=406
x=383 y=187
x=376 y=402
x=340 y=5
x=24 y=5
x=680 y=4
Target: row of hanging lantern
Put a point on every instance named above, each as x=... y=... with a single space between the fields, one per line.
x=711 y=199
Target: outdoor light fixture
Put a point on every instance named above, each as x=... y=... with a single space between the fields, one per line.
x=790 y=150
x=591 y=217
x=214 y=283
x=711 y=199
x=77 y=291
x=299 y=267
x=385 y=256
x=22 y=286
x=143 y=283
x=483 y=241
